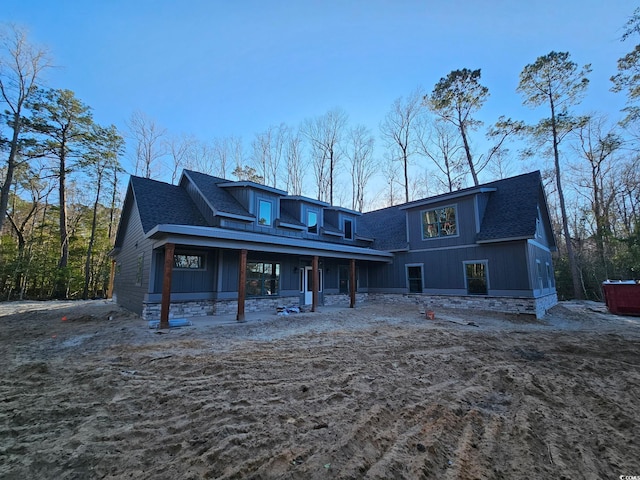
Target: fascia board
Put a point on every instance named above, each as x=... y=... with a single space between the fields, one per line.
x=214 y=210
x=505 y=239
x=447 y=197
x=214 y=236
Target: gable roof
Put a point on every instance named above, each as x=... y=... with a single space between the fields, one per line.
x=387 y=227
x=219 y=199
x=512 y=209
x=511 y=212
x=160 y=202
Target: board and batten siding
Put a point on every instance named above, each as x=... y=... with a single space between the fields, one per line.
x=129 y=294
x=185 y=280
x=443 y=269
x=465 y=219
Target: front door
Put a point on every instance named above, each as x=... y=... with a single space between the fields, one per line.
x=307 y=284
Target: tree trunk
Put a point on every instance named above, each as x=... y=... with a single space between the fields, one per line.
x=87 y=264
x=61 y=287
x=11 y=166
x=575 y=274
x=467 y=151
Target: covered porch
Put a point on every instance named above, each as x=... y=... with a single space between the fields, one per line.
x=198 y=271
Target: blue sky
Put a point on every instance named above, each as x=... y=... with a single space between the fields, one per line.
x=218 y=68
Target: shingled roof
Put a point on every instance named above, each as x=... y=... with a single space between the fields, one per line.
x=162 y=203
x=219 y=198
x=512 y=209
x=388 y=228
x=511 y=212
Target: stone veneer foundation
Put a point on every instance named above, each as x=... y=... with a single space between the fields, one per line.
x=520 y=305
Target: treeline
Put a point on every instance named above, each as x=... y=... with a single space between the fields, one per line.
x=62 y=177
x=58 y=202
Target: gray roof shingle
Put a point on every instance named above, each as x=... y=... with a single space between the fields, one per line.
x=221 y=199
x=386 y=226
x=512 y=209
x=162 y=203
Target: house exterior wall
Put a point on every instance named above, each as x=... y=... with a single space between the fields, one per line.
x=466 y=225
x=183 y=280
x=128 y=292
x=515 y=269
x=443 y=269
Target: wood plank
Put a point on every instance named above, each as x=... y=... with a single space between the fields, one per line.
x=242 y=284
x=169 y=250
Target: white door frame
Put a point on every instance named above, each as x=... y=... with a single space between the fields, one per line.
x=306 y=274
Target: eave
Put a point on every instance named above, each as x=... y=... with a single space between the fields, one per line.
x=447 y=197
x=235 y=239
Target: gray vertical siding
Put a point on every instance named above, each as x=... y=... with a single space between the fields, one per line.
x=443 y=269
x=128 y=294
x=466 y=224
x=187 y=281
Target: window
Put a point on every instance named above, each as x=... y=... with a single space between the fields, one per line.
x=414 y=277
x=540 y=274
x=439 y=222
x=264 y=212
x=476 y=278
x=189 y=262
x=139 y=268
x=343 y=279
x=312 y=221
x=550 y=277
x=263 y=279
x=348 y=229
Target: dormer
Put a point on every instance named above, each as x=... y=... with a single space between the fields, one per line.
x=307 y=212
x=341 y=222
x=261 y=201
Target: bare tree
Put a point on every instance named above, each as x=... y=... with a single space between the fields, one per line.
x=21 y=65
x=597 y=143
x=224 y=154
x=149 y=147
x=325 y=134
x=390 y=172
x=268 y=152
x=438 y=141
x=178 y=148
x=295 y=167
x=359 y=151
x=398 y=130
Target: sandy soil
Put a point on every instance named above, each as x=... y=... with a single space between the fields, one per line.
x=88 y=391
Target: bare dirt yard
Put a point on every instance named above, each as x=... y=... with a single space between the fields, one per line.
x=88 y=391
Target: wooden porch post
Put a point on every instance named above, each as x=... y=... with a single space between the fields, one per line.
x=352 y=283
x=315 y=281
x=112 y=276
x=242 y=284
x=169 y=249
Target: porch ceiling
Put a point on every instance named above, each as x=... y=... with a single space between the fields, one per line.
x=236 y=240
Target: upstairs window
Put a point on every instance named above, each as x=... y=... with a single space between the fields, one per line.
x=312 y=221
x=264 y=212
x=439 y=222
x=348 y=229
